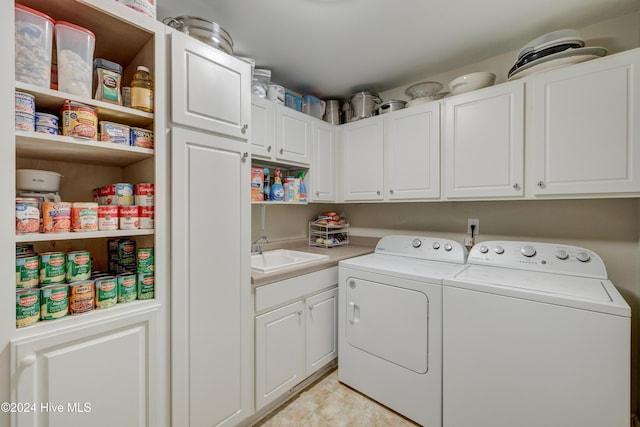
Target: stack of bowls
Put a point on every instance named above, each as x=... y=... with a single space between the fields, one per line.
x=472 y=81
x=423 y=92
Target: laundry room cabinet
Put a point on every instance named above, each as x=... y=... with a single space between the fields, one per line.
x=111 y=357
x=211 y=321
x=323 y=182
x=583 y=133
x=362 y=160
x=483 y=143
x=295 y=331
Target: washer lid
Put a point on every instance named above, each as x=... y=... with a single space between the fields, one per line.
x=570 y=291
x=407 y=268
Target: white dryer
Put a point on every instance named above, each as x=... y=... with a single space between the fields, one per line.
x=534 y=334
x=390 y=323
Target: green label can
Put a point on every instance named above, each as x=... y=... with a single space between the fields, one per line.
x=146 y=285
x=78 y=266
x=27 y=307
x=54 y=301
x=127 y=290
x=145 y=261
x=106 y=292
x=52 y=267
x=27 y=271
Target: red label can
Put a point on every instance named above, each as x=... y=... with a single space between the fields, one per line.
x=129 y=218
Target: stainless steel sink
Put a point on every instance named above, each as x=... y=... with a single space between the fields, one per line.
x=280 y=259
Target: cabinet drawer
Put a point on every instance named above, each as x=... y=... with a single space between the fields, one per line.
x=277 y=293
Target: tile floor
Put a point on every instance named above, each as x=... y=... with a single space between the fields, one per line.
x=329 y=403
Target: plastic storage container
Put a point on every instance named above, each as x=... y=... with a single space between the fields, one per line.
x=34 y=39
x=313 y=106
x=292 y=101
x=74 y=48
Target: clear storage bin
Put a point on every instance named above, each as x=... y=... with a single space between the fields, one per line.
x=34 y=40
x=75 y=47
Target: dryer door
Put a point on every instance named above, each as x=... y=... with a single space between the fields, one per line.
x=388 y=322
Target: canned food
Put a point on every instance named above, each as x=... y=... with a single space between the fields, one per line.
x=47 y=129
x=25 y=121
x=78 y=266
x=144 y=194
x=109 y=195
x=141 y=137
x=45 y=119
x=79 y=120
x=24 y=249
x=124 y=194
x=54 y=301
x=27 y=272
x=27 y=215
x=106 y=292
x=107 y=217
x=81 y=296
x=146 y=217
x=127 y=290
x=56 y=217
x=146 y=284
x=27 y=306
x=84 y=216
x=114 y=132
x=145 y=260
x=25 y=103
x=128 y=217
x=52 y=267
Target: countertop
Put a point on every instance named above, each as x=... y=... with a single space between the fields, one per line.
x=359 y=247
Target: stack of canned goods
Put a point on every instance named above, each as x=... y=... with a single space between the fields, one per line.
x=125 y=206
x=51 y=285
x=134 y=269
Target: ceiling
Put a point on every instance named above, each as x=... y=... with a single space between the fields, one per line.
x=333 y=48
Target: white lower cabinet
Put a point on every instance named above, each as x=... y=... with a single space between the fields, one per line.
x=102 y=374
x=296 y=331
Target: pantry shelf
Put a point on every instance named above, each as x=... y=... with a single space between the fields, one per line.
x=47 y=237
x=37 y=145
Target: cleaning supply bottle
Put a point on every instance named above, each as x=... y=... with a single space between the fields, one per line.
x=303 y=188
x=277 y=190
x=267 y=185
x=142 y=90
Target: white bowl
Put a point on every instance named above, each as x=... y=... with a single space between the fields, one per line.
x=37 y=180
x=470 y=82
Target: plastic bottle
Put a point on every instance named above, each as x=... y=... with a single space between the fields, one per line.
x=142 y=90
x=277 y=190
x=303 y=188
x=267 y=185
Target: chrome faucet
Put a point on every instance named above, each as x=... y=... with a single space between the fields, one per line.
x=257 y=249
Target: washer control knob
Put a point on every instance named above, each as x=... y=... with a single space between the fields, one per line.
x=528 y=251
x=499 y=250
x=435 y=245
x=484 y=249
x=416 y=243
x=448 y=247
x=562 y=254
x=583 y=256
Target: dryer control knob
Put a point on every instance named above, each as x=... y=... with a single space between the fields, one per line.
x=499 y=250
x=562 y=254
x=583 y=256
x=484 y=249
x=528 y=251
x=416 y=243
x=448 y=247
x=435 y=245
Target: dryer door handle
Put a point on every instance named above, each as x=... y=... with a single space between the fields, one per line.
x=354 y=312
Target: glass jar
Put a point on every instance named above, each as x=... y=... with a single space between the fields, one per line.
x=142 y=90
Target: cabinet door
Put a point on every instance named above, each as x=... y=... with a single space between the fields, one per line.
x=583 y=129
x=322 y=329
x=209 y=89
x=104 y=374
x=362 y=164
x=323 y=169
x=263 y=128
x=279 y=352
x=412 y=153
x=484 y=143
x=293 y=135
x=211 y=317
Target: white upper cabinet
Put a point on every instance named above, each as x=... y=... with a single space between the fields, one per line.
x=412 y=153
x=322 y=186
x=293 y=135
x=584 y=128
x=210 y=90
x=483 y=143
x=362 y=154
x=263 y=128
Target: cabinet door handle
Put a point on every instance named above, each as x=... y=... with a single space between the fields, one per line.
x=310 y=308
x=378 y=192
x=299 y=312
x=281 y=150
x=516 y=186
x=244 y=128
x=268 y=149
x=28 y=360
x=540 y=184
x=390 y=191
x=317 y=194
x=245 y=155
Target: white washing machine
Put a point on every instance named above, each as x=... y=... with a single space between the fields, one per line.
x=534 y=334
x=390 y=323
